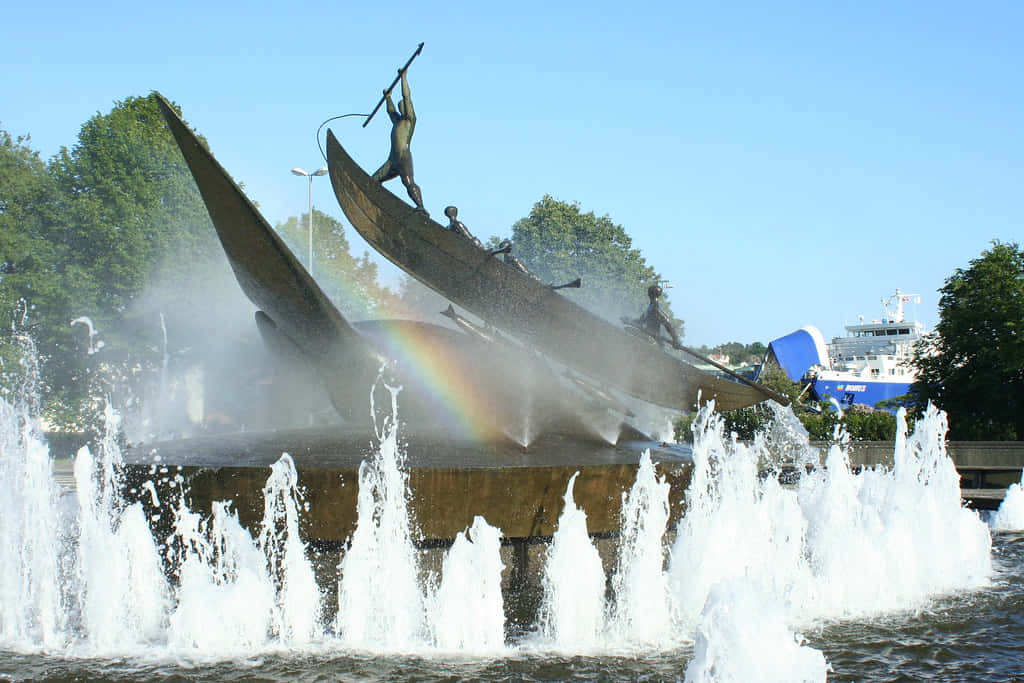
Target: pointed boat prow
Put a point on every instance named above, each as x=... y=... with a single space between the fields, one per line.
x=268 y=273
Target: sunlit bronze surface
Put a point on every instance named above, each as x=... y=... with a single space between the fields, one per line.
x=526 y=308
x=502 y=389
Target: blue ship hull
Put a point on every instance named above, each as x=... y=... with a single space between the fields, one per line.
x=862 y=391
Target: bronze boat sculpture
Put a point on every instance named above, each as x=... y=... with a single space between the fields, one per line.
x=513 y=393
x=546 y=425
x=520 y=305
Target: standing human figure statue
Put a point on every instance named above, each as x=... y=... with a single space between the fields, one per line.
x=399 y=163
x=653 y=319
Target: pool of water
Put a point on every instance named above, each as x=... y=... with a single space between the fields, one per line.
x=973 y=635
x=976 y=635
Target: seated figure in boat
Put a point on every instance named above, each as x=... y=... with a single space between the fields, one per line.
x=504 y=247
x=399 y=163
x=512 y=260
x=653 y=319
x=458 y=227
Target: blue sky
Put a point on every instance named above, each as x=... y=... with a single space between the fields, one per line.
x=781 y=164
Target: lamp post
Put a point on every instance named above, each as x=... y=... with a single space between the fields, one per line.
x=321 y=171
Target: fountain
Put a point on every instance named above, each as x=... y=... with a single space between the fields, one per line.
x=724 y=591
x=1010 y=514
x=526 y=544
x=492 y=429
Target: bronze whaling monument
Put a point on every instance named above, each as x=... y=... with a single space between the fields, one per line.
x=553 y=385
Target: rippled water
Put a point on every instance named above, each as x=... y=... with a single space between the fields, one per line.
x=976 y=636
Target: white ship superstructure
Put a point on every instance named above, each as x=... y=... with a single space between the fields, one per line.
x=871 y=363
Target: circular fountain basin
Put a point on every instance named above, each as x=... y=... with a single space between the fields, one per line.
x=518 y=490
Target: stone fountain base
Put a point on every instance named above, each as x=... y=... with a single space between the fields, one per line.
x=450 y=481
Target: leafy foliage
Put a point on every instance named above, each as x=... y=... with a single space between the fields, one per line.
x=351 y=282
x=877 y=425
x=776 y=379
x=818 y=419
x=114 y=229
x=38 y=291
x=86 y=235
x=559 y=242
x=974 y=367
x=134 y=208
x=139 y=237
x=739 y=354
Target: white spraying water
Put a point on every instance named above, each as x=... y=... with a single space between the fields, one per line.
x=84 y=577
x=163 y=397
x=238 y=594
x=467 y=613
x=297 y=613
x=572 y=613
x=93 y=344
x=641 y=614
x=751 y=562
x=82 y=573
x=31 y=605
x=742 y=636
x=380 y=601
x=839 y=543
x=120 y=586
x=225 y=596
x=753 y=559
x=1010 y=515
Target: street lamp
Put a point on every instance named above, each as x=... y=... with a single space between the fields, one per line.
x=321 y=171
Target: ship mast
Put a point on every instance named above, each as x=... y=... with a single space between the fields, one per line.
x=899 y=298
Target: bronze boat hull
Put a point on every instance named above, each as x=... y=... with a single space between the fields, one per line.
x=516 y=303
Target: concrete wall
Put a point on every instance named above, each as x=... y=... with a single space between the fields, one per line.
x=524 y=502
x=964 y=453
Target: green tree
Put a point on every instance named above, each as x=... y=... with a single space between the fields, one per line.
x=27 y=209
x=820 y=425
x=351 y=282
x=37 y=291
x=113 y=217
x=141 y=243
x=27 y=253
x=746 y=422
x=973 y=368
x=559 y=242
x=135 y=213
x=739 y=354
x=776 y=379
x=877 y=425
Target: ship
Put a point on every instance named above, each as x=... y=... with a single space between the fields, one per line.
x=871 y=364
